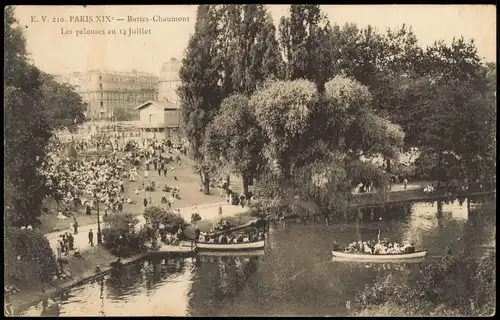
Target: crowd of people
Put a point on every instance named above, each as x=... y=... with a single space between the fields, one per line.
x=220 y=233
x=376 y=247
x=80 y=182
x=232 y=197
x=230 y=237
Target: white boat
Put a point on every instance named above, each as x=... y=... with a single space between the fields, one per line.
x=258 y=252
x=231 y=246
x=174 y=249
x=379 y=257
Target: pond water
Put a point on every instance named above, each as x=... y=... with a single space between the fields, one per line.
x=294 y=275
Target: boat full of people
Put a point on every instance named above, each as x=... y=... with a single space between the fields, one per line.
x=228 y=241
x=375 y=251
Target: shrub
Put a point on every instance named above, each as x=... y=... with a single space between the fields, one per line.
x=29 y=259
x=155 y=216
x=455 y=285
x=120 y=237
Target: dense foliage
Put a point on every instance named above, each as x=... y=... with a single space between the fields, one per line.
x=28 y=258
x=121 y=236
x=234 y=138
x=64 y=106
x=341 y=95
x=454 y=285
x=26 y=128
x=34 y=105
x=155 y=216
x=157 y=219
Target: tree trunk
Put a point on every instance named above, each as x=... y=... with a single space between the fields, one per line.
x=245 y=183
x=206 y=184
x=388 y=165
x=439 y=208
x=440 y=170
x=285 y=169
x=228 y=179
x=201 y=177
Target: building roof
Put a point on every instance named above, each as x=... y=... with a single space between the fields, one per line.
x=161 y=104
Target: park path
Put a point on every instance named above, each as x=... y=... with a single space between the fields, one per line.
x=206 y=211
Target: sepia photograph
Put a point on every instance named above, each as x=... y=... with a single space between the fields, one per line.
x=250 y=160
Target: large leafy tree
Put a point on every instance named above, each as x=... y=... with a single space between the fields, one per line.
x=283 y=110
x=64 y=106
x=234 y=137
x=332 y=130
x=26 y=128
x=200 y=92
x=449 y=109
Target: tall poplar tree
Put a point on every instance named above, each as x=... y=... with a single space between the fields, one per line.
x=200 y=92
x=251 y=53
x=248 y=56
x=305 y=40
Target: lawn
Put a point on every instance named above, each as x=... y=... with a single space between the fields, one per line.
x=187 y=180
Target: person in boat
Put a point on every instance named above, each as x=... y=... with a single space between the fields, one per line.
x=349 y=248
x=408 y=247
x=246 y=238
x=366 y=248
x=336 y=246
x=206 y=237
x=230 y=238
x=262 y=236
x=371 y=245
x=197 y=233
x=223 y=239
x=379 y=248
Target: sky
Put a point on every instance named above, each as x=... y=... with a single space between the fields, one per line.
x=59 y=47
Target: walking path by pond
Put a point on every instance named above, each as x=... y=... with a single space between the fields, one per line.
x=208 y=212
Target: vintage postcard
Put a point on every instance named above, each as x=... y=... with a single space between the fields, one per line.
x=250 y=160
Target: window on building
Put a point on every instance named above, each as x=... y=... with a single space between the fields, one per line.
x=100 y=77
x=102 y=95
x=102 y=104
x=150 y=118
x=100 y=86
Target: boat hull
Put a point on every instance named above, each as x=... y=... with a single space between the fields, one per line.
x=247 y=253
x=380 y=257
x=231 y=246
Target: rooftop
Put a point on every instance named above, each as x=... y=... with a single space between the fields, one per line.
x=162 y=104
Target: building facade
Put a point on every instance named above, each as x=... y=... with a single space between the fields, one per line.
x=169 y=81
x=160 y=119
x=105 y=92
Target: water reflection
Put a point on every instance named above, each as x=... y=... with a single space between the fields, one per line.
x=294 y=276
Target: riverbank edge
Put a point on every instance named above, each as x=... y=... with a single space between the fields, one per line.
x=414 y=195
x=27 y=299
x=364 y=200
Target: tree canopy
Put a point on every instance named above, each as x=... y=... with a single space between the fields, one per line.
x=291 y=104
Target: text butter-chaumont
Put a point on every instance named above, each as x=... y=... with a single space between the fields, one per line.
x=157 y=18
